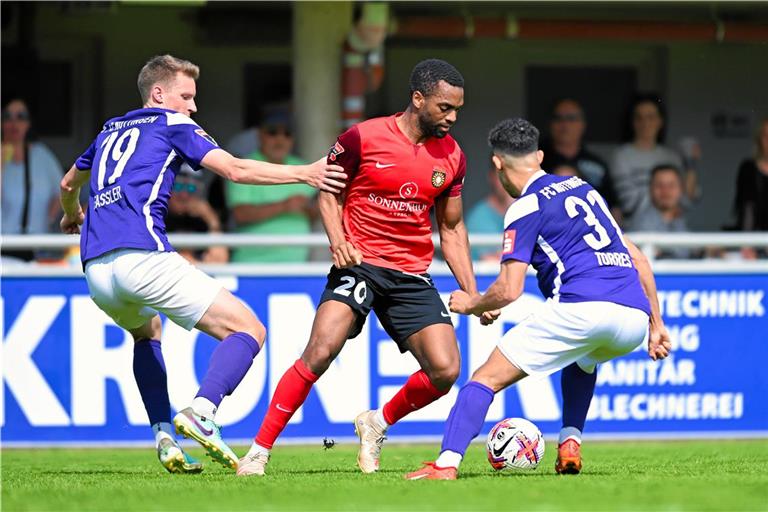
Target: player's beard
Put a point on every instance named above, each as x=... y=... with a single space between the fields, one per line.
x=429 y=128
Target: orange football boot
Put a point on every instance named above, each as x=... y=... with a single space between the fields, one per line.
x=568 y=458
x=431 y=471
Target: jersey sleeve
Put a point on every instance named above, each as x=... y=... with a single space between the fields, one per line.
x=521 y=232
x=454 y=189
x=85 y=161
x=190 y=141
x=346 y=152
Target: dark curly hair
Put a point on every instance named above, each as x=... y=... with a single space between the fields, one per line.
x=514 y=137
x=427 y=73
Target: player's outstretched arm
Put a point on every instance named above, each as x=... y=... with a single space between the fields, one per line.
x=659 y=343
x=344 y=253
x=70 y=185
x=507 y=287
x=319 y=174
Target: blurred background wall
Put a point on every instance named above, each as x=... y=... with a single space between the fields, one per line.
x=78 y=62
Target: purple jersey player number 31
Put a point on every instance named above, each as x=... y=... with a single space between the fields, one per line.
x=563 y=228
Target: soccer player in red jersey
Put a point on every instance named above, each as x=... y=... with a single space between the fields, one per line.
x=381 y=239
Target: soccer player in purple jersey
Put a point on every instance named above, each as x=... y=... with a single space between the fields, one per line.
x=601 y=298
x=133 y=272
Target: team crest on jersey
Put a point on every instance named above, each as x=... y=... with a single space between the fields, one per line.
x=207 y=137
x=335 y=151
x=509 y=241
x=438 y=177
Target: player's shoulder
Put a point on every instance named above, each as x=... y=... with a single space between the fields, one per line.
x=374 y=125
x=524 y=206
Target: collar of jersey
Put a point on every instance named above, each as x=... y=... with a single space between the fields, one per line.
x=538 y=174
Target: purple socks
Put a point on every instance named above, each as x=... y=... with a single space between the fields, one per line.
x=229 y=363
x=149 y=372
x=578 y=387
x=467 y=416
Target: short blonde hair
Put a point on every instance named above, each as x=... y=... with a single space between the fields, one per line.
x=163 y=69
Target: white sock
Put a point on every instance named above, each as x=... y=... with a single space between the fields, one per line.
x=567 y=433
x=378 y=417
x=163 y=431
x=204 y=407
x=449 y=459
x=256 y=449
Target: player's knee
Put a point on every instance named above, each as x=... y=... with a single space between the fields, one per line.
x=318 y=357
x=257 y=330
x=443 y=377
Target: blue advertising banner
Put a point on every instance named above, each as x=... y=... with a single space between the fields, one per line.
x=67 y=369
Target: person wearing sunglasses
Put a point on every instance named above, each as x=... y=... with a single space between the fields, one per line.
x=190 y=212
x=30 y=178
x=285 y=209
x=565 y=147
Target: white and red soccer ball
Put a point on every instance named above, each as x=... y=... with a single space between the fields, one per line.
x=515 y=443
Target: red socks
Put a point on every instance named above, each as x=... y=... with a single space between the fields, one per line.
x=290 y=394
x=417 y=392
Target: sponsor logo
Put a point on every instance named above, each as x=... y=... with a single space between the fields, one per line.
x=497 y=452
x=509 y=241
x=279 y=407
x=335 y=151
x=205 y=431
x=444 y=314
x=438 y=177
x=380 y=165
x=409 y=190
x=207 y=137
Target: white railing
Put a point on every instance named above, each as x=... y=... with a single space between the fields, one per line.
x=648 y=242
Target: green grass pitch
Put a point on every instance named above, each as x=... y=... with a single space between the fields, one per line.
x=659 y=475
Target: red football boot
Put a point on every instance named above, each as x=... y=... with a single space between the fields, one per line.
x=568 y=458
x=431 y=471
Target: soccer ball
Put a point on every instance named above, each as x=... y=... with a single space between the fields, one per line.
x=516 y=444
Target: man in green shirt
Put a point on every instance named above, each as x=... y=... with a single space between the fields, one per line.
x=271 y=210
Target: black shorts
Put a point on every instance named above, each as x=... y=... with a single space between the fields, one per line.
x=404 y=303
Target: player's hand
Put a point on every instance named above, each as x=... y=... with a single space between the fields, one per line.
x=460 y=302
x=488 y=317
x=325 y=176
x=346 y=255
x=659 y=344
x=71 y=225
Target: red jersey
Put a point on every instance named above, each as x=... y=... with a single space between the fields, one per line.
x=392 y=185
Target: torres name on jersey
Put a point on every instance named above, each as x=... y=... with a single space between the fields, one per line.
x=393 y=185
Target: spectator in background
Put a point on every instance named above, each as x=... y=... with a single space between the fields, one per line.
x=487 y=216
x=751 y=202
x=190 y=212
x=664 y=213
x=565 y=148
x=632 y=162
x=30 y=179
x=272 y=210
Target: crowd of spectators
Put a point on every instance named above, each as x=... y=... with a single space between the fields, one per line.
x=648 y=185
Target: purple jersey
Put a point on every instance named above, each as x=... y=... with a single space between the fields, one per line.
x=562 y=227
x=133 y=163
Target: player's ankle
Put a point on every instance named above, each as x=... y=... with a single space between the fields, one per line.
x=380 y=420
x=449 y=459
x=204 y=407
x=162 y=431
x=257 y=449
x=569 y=433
